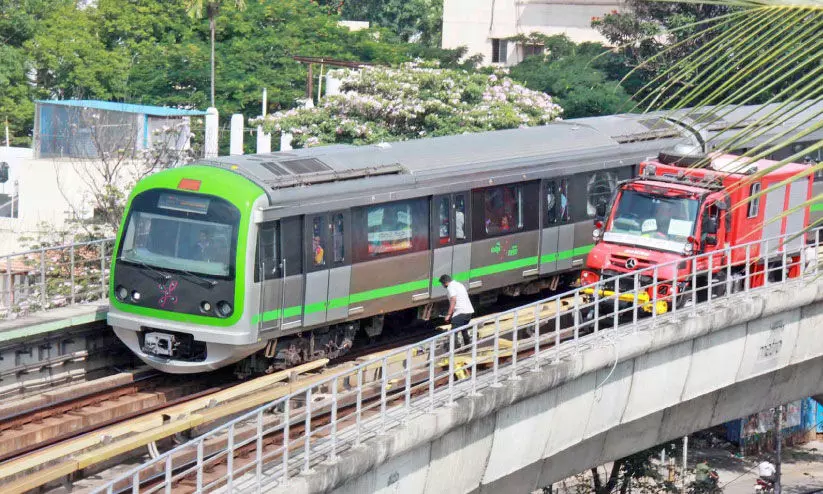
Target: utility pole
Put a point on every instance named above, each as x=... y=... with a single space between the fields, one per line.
x=778 y=434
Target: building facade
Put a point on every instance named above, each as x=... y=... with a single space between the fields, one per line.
x=486 y=26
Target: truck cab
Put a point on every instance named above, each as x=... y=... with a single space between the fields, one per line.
x=683 y=204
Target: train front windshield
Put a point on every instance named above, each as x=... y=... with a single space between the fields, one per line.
x=653 y=220
x=176 y=231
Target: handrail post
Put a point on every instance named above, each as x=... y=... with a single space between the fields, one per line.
x=728 y=270
x=451 y=367
x=307 y=433
x=537 y=337
x=496 y=359
x=515 y=324
x=359 y=407
x=557 y=307
x=103 y=270
x=43 y=278
x=616 y=318
x=286 y=438
x=654 y=293
x=384 y=384
x=475 y=335
x=636 y=297
x=747 y=284
x=710 y=278
x=407 y=392
x=694 y=285
x=432 y=350
x=333 y=434
x=71 y=275
x=9 y=286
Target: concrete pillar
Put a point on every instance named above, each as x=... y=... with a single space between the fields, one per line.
x=263 y=141
x=212 y=123
x=236 y=143
x=285 y=141
x=332 y=85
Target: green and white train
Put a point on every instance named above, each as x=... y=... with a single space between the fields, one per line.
x=289 y=256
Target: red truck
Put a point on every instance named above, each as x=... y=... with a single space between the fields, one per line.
x=683 y=204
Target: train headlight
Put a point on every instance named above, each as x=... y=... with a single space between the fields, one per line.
x=688 y=249
x=205 y=307
x=135 y=295
x=121 y=292
x=224 y=309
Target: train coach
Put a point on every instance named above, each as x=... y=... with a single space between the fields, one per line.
x=288 y=257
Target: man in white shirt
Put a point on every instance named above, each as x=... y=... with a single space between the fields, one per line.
x=460 y=307
x=767 y=471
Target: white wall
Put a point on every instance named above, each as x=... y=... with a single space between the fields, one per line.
x=474 y=23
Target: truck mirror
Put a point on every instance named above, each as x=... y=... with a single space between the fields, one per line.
x=600 y=210
x=709 y=225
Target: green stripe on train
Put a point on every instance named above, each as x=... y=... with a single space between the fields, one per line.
x=420 y=285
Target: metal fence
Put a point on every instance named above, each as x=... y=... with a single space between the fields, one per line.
x=52 y=277
x=319 y=422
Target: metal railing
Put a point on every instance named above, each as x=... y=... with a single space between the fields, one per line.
x=51 y=277
x=333 y=414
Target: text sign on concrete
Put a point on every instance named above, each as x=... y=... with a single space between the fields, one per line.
x=769 y=344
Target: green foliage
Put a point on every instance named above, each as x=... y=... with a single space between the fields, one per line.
x=379 y=104
x=410 y=20
x=154 y=52
x=577 y=75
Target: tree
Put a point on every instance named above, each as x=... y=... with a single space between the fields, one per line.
x=412 y=20
x=575 y=75
x=212 y=8
x=381 y=104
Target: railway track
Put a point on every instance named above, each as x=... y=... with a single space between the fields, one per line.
x=145 y=410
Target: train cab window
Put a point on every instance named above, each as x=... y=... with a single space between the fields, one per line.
x=393 y=228
x=338 y=245
x=503 y=209
x=318 y=243
x=754 y=204
x=460 y=225
x=599 y=189
x=443 y=221
x=268 y=255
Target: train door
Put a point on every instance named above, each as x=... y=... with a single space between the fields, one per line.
x=442 y=234
x=279 y=272
x=317 y=269
x=565 y=229
x=451 y=250
x=552 y=224
x=340 y=272
x=291 y=290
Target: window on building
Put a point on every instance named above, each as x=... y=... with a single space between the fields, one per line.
x=531 y=49
x=444 y=220
x=499 y=50
x=460 y=217
x=337 y=239
x=503 y=208
x=754 y=204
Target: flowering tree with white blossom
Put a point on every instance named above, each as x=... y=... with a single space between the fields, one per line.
x=390 y=104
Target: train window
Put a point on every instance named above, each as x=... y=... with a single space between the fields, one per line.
x=503 y=209
x=393 y=228
x=291 y=245
x=267 y=256
x=551 y=203
x=318 y=242
x=754 y=204
x=337 y=238
x=443 y=221
x=460 y=225
x=563 y=197
x=599 y=189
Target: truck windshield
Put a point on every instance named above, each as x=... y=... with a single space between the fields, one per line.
x=657 y=217
x=179 y=232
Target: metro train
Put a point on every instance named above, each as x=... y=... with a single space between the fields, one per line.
x=276 y=259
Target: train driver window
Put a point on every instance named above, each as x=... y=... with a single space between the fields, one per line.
x=337 y=239
x=754 y=204
x=443 y=221
x=268 y=259
x=318 y=244
x=503 y=207
x=460 y=217
x=599 y=189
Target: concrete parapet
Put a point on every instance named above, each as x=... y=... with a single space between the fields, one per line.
x=667 y=378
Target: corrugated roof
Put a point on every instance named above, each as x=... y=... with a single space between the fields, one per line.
x=157 y=111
